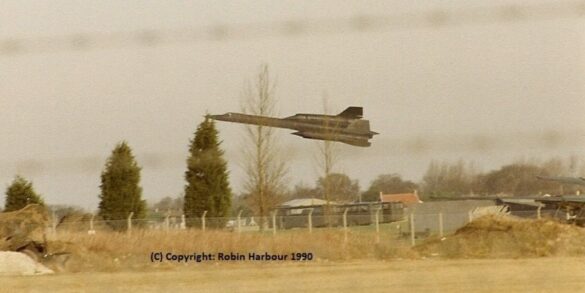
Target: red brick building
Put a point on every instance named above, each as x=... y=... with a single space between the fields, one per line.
x=406 y=198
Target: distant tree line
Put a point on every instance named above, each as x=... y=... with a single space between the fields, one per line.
x=456 y=179
x=444 y=179
x=345 y=189
x=208 y=185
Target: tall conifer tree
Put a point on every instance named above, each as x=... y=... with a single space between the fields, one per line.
x=120 y=190
x=207 y=187
x=19 y=194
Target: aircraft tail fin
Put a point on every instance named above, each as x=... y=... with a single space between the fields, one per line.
x=352 y=113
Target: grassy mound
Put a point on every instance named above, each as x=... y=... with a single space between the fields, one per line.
x=497 y=236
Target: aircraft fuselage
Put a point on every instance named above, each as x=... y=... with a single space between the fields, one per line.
x=350 y=130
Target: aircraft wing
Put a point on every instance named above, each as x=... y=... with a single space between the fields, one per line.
x=576 y=199
x=567 y=180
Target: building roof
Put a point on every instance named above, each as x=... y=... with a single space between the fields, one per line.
x=301 y=202
x=400 y=197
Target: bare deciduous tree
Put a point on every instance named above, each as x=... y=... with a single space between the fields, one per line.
x=264 y=165
x=450 y=179
x=327 y=158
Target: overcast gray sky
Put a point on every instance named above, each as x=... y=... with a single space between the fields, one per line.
x=484 y=92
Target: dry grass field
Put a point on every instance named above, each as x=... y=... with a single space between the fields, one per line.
x=552 y=274
x=490 y=254
x=111 y=251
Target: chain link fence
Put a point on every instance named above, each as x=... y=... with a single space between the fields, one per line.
x=411 y=226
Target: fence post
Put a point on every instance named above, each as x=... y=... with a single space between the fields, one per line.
x=91 y=230
x=203 y=220
x=345 y=224
x=274 y=222
x=167 y=224
x=130 y=223
x=377 y=217
x=310 y=218
x=412 y=231
x=183 y=222
x=239 y=223
x=441 y=224
x=54 y=224
x=538 y=212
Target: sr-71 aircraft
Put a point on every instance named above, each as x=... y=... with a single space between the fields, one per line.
x=347 y=127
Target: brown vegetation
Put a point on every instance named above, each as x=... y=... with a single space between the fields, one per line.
x=508 y=237
x=19 y=228
x=113 y=250
x=486 y=237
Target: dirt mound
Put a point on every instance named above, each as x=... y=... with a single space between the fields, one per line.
x=24 y=231
x=508 y=237
x=15 y=263
x=19 y=227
